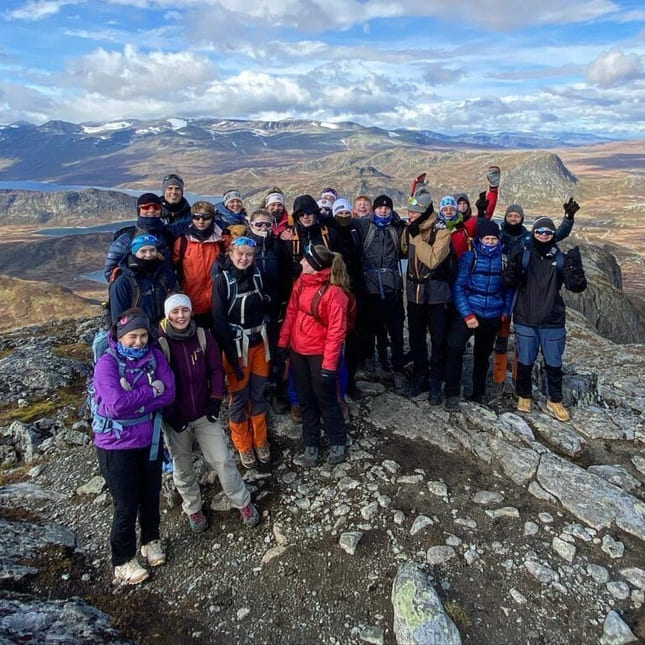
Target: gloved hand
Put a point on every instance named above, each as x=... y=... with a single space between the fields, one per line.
x=571 y=208
x=280 y=356
x=414 y=228
x=158 y=387
x=329 y=380
x=239 y=373
x=481 y=204
x=572 y=258
x=493 y=176
x=124 y=384
x=213 y=413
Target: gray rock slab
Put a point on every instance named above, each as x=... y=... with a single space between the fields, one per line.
x=634 y=576
x=486 y=497
x=440 y=554
x=419 y=616
x=515 y=428
x=92 y=487
x=26 y=618
x=373 y=634
x=563 y=438
x=615 y=631
x=518 y=464
x=617 y=475
x=420 y=523
x=539 y=493
x=590 y=498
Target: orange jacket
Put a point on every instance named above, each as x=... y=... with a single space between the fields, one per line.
x=303 y=332
x=194 y=260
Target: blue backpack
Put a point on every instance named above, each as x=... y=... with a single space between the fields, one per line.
x=102 y=424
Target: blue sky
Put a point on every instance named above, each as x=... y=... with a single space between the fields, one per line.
x=450 y=66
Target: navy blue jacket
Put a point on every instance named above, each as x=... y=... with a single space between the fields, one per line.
x=478 y=289
x=138 y=285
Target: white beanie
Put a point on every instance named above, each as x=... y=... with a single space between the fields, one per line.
x=274 y=198
x=342 y=204
x=176 y=300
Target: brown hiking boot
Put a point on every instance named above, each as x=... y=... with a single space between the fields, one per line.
x=523 y=404
x=247 y=458
x=558 y=410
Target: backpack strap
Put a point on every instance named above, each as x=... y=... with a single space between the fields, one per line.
x=324 y=231
x=315 y=302
x=165 y=347
x=201 y=337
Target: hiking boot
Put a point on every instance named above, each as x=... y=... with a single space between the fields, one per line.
x=336 y=454
x=131 y=573
x=263 y=453
x=296 y=413
x=558 y=410
x=523 y=404
x=311 y=456
x=418 y=385
x=370 y=365
x=280 y=406
x=198 y=522
x=435 y=398
x=250 y=516
x=153 y=552
x=400 y=386
x=476 y=398
x=452 y=403
x=247 y=458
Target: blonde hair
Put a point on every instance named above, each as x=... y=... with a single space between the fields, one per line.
x=260 y=211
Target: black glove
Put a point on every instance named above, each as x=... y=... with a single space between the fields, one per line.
x=329 y=380
x=571 y=208
x=239 y=373
x=481 y=204
x=280 y=356
x=177 y=425
x=213 y=413
x=572 y=258
x=414 y=228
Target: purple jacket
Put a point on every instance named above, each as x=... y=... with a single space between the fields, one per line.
x=199 y=378
x=116 y=403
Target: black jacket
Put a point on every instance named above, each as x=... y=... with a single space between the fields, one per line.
x=538 y=301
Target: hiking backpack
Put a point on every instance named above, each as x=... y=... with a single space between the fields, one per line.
x=165 y=346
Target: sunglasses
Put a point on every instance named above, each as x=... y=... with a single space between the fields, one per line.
x=201 y=216
x=243 y=241
x=543 y=231
x=307 y=214
x=261 y=224
x=150 y=207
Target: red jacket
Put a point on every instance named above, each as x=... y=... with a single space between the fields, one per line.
x=303 y=332
x=462 y=237
x=194 y=268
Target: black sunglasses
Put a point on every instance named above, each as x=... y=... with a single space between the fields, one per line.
x=202 y=217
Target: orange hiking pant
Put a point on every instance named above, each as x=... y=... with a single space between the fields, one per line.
x=247 y=408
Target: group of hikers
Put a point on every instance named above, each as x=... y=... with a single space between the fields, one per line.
x=208 y=301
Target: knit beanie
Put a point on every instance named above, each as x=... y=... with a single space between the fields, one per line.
x=176 y=300
x=543 y=222
x=383 y=200
x=274 y=198
x=342 y=204
x=128 y=323
x=231 y=194
x=487 y=227
x=515 y=208
x=142 y=240
x=172 y=180
x=330 y=194
x=148 y=198
x=448 y=200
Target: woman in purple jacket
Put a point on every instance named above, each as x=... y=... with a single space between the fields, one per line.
x=132 y=383
x=195 y=359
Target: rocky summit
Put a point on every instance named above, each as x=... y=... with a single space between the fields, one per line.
x=480 y=525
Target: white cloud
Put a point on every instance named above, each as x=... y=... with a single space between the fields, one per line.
x=131 y=74
x=39 y=9
x=615 y=67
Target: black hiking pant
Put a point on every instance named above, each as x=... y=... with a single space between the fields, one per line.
x=386 y=317
x=458 y=336
x=134 y=483
x=318 y=401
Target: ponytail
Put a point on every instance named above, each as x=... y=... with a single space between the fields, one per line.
x=339 y=275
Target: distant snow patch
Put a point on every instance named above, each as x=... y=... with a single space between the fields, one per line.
x=329 y=126
x=102 y=127
x=392 y=134
x=154 y=130
x=177 y=124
